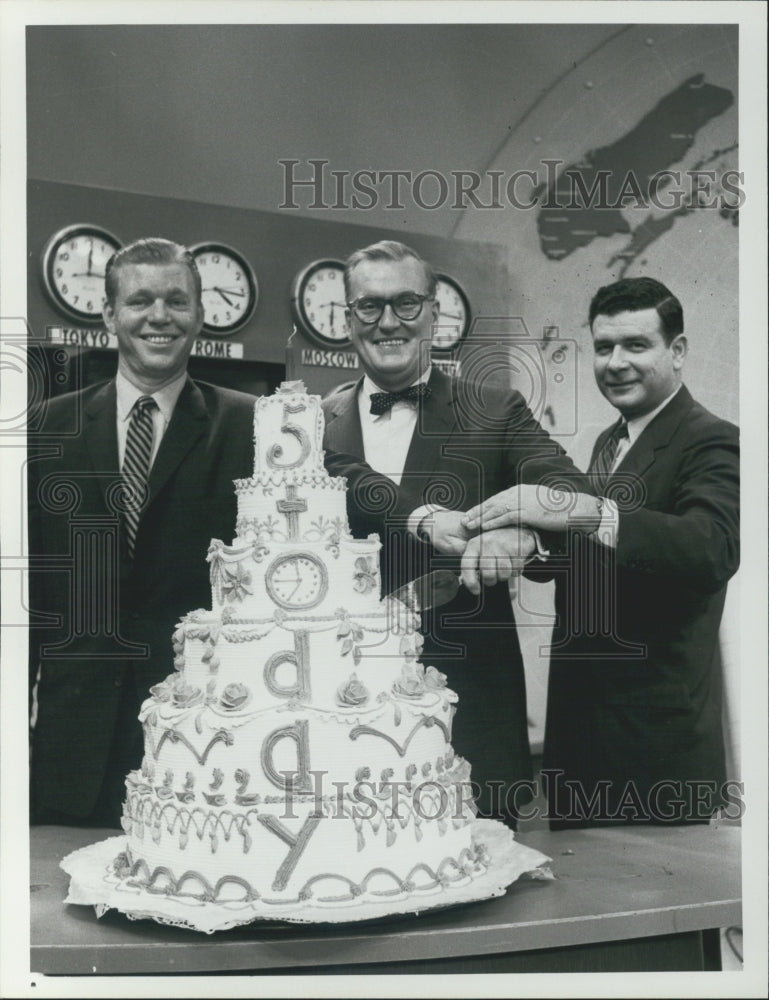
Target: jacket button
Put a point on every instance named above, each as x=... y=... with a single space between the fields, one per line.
x=118 y=682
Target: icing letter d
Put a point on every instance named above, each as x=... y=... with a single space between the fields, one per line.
x=300 y=782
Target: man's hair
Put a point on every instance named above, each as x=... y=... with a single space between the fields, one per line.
x=155 y=250
x=635 y=294
x=386 y=250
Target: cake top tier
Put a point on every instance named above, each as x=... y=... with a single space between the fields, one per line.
x=288 y=431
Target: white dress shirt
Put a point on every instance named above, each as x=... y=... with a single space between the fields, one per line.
x=387 y=436
x=386 y=442
x=387 y=439
x=166 y=398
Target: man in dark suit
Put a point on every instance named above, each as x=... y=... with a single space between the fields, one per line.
x=634 y=729
x=442 y=444
x=124 y=498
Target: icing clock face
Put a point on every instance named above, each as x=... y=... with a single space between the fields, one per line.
x=230 y=290
x=73 y=264
x=454 y=318
x=297 y=581
x=320 y=303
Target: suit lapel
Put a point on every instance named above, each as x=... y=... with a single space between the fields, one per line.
x=436 y=422
x=100 y=438
x=188 y=424
x=656 y=435
x=343 y=432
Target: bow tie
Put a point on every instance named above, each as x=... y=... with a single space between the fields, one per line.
x=381 y=402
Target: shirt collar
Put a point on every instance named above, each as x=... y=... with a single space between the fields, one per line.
x=369 y=387
x=639 y=424
x=128 y=393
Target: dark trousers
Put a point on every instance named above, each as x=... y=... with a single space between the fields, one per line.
x=125 y=754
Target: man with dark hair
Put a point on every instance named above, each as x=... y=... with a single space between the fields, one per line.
x=634 y=729
x=444 y=443
x=128 y=482
x=635 y=294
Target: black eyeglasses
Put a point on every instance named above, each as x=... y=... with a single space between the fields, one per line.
x=406 y=306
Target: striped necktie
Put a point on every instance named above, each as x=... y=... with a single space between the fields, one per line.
x=136 y=465
x=601 y=467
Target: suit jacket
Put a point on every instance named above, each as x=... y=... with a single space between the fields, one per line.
x=635 y=684
x=100 y=623
x=470 y=442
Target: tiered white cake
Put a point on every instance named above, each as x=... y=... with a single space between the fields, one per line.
x=299 y=754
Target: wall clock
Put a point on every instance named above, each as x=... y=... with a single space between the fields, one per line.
x=73 y=264
x=230 y=289
x=297 y=581
x=320 y=304
x=454 y=318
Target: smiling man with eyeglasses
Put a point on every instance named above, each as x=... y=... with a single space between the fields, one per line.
x=391 y=310
x=437 y=447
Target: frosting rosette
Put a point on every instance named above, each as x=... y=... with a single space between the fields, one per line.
x=411 y=683
x=352 y=692
x=234 y=696
x=162 y=691
x=185 y=695
x=434 y=679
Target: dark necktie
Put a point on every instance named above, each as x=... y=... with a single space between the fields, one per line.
x=381 y=402
x=136 y=464
x=600 y=469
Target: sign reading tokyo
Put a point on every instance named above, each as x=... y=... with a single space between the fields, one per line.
x=202 y=348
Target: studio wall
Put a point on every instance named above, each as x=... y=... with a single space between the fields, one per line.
x=189 y=129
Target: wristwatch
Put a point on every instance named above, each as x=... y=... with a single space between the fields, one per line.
x=599 y=509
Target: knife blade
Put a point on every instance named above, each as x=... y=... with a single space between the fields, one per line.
x=429 y=591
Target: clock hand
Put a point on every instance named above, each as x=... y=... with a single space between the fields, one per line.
x=219 y=290
x=298 y=581
x=90 y=257
x=449 y=315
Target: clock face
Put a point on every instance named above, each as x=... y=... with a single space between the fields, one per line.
x=230 y=290
x=320 y=303
x=74 y=262
x=297 y=581
x=454 y=318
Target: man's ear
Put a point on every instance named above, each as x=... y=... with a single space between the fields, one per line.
x=201 y=317
x=679 y=346
x=108 y=314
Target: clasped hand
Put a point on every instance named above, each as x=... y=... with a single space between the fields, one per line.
x=487 y=558
x=496 y=555
x=542 y=507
